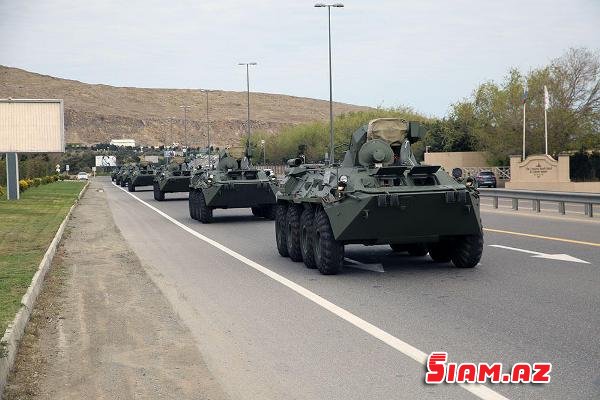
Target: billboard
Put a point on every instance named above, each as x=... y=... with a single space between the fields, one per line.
x=151 y=159
x=31 y=126
x=106 y=161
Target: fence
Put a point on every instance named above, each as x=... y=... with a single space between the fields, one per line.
x=502 y=173
x=587 y=199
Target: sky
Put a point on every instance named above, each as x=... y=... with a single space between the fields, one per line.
x=426 y=54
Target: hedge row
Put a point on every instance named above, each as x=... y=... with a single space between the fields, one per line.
x=25 y=184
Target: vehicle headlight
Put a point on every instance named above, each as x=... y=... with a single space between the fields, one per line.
x=344 y=179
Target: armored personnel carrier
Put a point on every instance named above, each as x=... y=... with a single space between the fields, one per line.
x=121 y=177
x=114 y=172
x=140 y=175
x=171 y=178
x=379 y=194
x=233 y=184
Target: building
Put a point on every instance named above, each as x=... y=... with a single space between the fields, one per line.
x=123 y=142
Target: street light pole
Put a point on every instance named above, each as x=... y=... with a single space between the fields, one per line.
x=185 y=108
x=331 y=143
x=208 y=130
x=248 y=96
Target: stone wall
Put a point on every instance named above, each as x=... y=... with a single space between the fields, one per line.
x=460 y=159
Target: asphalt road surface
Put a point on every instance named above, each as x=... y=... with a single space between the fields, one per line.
x=266 y=334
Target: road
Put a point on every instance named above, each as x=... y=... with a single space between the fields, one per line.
x=263 y=340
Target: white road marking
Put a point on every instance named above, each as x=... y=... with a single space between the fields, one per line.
x=479 y=390
x=537 y=254
x=374 y=267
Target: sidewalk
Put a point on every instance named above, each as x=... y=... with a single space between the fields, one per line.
x=101 y=329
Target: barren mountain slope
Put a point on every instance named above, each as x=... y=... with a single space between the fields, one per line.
x=98 y=113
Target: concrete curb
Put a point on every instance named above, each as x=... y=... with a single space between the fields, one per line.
x=9 y=344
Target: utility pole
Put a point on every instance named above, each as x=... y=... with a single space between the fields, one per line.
x=185 y=109
x=208 y=130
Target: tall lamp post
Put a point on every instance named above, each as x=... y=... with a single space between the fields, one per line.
x=207 y=129
x=331 y=145
x=248 y=91
x=185 y=109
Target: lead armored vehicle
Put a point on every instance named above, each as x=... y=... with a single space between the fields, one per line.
x=171 y=178
x=140 y=175
x=379 y=194
x=121 y=177
x=235 y=183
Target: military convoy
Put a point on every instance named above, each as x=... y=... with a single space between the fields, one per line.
x=234 y=183
x=171 y=178
x=379 y=194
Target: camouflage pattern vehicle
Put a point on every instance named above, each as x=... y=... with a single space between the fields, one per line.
x=378 y=195
x=171 y=178
x=233 y=184
x=140 y=175
x=121 y=177
x=114 y=172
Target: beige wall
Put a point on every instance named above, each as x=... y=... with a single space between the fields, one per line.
x=450 y=160
x=542 y=172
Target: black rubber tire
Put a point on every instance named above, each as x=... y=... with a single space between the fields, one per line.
x=130 y=186
x=397 y=247
x=257 y=211
x=117 y=182
x=158 y=194
x=441 y=251
x=467 y=251
x=192 y=204
x=328 y=252
x=269 y=211
x=205 y=213
x=123 y=183
x=280 y=225
x=307 y=233
x=292 y=232
x=417 y=249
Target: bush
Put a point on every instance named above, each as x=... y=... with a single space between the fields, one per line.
x=2 y=192
x=37 y=181
x=23 y=185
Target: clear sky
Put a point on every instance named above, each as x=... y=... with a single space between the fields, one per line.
x=422 y=53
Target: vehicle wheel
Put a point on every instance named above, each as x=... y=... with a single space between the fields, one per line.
x=280 y=236
x=441 y=251
x=130 y=186
x=467 y=251
x=123 y=183
x=307 y=231
x=417 y=249
x=269 y=211
x=192 y=204
x=158 y=194
x=257 y=211
x=205 y=213
x=328 y=252
x=293 y=232
x=494 y=186
x=397 y=247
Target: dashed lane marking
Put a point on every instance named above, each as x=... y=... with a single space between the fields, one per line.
x=481 y=391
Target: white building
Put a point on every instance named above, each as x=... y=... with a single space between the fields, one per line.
x=123 y=142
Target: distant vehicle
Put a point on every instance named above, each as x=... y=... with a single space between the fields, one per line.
x=172 y=178
x=486 y=178
x=82 y=176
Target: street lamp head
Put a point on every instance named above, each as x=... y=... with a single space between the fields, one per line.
x=338 y=5
x=320 y=5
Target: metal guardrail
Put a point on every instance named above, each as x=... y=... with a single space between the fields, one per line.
x=587 y=199
x=502 y=173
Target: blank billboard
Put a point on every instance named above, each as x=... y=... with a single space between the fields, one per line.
x=106 y=161
x=31 y=126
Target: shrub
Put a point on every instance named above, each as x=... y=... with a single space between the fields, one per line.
x=2 y=192
x=23 y=185
x=37 y=181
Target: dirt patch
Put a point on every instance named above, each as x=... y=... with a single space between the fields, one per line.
x=101 y=329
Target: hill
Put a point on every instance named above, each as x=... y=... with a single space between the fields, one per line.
x=98 y=113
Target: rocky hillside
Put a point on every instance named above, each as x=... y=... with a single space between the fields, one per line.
x=99 y=113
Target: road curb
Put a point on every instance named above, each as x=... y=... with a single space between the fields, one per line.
x=9 y=344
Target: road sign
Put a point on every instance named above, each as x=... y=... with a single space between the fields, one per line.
x=67 y=167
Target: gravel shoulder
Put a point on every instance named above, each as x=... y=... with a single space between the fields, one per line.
x=101 y=329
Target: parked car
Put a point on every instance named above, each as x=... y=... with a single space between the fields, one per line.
x=82 y=176
x=486 y=178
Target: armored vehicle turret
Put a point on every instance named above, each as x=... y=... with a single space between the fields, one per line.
x=379 y=194
x=171 y=178
x=140 y=175
x=121 y=178
x=234 y=183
